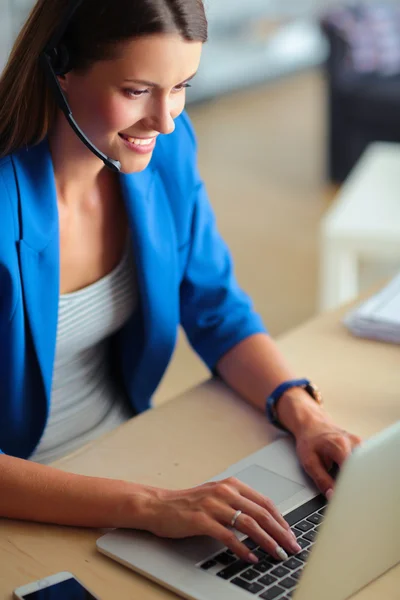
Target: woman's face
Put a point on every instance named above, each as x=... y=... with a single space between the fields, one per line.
x=123 y=104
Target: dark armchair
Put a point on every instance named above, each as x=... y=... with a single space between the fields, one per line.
x=363 y=108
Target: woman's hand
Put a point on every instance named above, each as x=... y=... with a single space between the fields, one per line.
x=320 y=445
x=209 y=509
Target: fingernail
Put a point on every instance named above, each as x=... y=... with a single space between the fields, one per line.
x=281 y=553
x=295 y=547
x=329 y=494
x=253 y=558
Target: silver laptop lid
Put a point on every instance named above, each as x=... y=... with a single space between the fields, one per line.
x=360 y=537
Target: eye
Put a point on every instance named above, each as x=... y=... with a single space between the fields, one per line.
x=135 y=93
x=181 y=87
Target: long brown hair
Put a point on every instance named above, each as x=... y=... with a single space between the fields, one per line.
x=27 y=105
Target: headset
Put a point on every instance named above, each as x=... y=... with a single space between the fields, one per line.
x=56 y=62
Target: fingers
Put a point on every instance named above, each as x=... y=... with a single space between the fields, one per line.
x=335 y=450
x=258 y=518
x=356 y=440
x=252 y=529
x=229 y=539
x=261 y=526
x=338 y=449
x=315 y=468
x=263 y=502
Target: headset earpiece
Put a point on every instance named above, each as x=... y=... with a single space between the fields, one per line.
x=60 y=59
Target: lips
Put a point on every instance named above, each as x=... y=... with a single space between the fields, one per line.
x=143 y=146
x=137 y=141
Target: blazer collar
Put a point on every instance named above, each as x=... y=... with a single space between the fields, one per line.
x=38 y=197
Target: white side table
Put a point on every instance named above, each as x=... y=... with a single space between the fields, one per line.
x=363 y=223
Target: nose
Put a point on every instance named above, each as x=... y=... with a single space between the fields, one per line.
x=161 y=118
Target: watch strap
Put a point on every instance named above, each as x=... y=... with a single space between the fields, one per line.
x=277 y=394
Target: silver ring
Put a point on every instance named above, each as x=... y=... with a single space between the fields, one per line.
x=235 y=517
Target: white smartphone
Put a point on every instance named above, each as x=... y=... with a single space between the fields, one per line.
x=61 y=586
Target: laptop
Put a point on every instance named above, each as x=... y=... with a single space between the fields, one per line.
x=345 y=545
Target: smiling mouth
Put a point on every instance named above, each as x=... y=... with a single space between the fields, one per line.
x=137 y=141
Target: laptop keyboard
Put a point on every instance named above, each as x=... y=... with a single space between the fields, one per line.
x=272 y=579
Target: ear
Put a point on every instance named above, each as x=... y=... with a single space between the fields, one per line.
x=63 y=80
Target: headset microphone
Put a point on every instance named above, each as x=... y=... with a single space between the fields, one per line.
x=55 y=60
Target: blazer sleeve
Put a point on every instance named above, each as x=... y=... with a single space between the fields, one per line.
x=216 y=314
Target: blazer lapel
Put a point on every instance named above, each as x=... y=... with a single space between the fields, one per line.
x=39 y=251
x=155 y=247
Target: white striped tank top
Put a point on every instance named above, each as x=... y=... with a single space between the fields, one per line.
x=85 y=401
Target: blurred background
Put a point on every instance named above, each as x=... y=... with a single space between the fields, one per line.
x=289 y=96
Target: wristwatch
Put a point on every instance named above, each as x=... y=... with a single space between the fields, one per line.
x=277 y=394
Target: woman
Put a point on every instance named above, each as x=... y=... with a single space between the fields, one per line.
x=97 y=270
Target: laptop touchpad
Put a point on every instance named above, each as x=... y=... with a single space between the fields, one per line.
x=274 y=486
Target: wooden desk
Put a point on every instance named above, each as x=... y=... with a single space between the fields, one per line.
x=196 y=436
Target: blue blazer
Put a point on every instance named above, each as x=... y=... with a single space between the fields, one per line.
x=184 y=271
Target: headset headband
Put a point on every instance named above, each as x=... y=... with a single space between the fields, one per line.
x=60 y=31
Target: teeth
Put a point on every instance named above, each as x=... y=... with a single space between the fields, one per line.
x=138 y=142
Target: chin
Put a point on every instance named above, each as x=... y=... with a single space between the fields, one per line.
x=135 y=165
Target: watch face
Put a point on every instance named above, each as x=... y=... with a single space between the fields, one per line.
x=315 y=393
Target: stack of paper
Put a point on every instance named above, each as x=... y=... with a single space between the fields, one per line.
x=379 y=317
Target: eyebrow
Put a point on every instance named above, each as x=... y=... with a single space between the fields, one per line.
x=152 y=84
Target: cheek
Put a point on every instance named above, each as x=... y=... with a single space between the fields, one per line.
x=116 y=113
